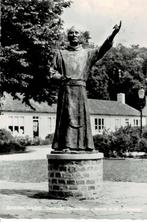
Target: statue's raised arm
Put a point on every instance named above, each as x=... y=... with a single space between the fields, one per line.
x=98 y=53
x=115 y=31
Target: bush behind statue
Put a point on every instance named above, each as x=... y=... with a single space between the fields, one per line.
x=123 y=140
x=28 y=141
x=8 y=143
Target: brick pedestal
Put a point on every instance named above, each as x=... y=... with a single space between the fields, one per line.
x=75 y=175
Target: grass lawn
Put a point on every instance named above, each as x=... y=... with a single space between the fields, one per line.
x=24 y=171
x=131 y=170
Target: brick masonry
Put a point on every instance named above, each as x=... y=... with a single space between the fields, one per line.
x=78 y=177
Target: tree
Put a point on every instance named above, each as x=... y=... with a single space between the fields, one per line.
x=129 y=75
x=30 y=30
x=122 y=70
x=97 y=84
x=85 y=37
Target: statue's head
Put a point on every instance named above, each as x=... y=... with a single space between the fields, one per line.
x=74 y=36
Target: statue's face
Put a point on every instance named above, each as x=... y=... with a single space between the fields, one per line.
x=74 y=36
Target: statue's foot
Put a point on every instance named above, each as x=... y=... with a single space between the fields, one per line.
x=89 y=149
x=67 y=150
x=61 y=151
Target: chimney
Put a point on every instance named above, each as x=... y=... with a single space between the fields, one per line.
x=121 y=98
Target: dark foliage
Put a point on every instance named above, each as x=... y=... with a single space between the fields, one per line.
x=8 y=144
x=122 y=70
x=124 y=140
x=30 y=32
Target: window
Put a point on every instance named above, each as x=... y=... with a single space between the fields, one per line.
x=16 y=125
x=99 y=124
x=127 y=122
x=10 y=128
x=136 y=122
x=16 y=128
x=22 y=129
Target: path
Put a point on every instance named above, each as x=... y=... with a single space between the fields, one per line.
x=32 y=153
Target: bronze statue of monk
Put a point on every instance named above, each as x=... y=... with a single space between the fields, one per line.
x=72 y=65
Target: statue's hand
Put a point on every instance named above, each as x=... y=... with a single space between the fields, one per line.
x=116 y=29
x=65 y=79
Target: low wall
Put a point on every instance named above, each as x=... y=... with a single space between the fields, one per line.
x=75 y=175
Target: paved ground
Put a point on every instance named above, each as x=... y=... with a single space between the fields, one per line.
x=32 y=153
x=118 y=200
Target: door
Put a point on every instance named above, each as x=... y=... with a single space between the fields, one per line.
x=35 y=126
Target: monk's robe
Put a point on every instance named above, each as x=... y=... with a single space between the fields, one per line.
x=73 y=129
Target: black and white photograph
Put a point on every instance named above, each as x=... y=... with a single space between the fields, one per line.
x=73 y=110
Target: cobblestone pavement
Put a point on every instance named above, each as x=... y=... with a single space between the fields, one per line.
x=118 y=200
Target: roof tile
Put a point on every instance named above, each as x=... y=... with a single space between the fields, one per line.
x=102 y=107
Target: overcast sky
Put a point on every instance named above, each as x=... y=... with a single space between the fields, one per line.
x=99 y=16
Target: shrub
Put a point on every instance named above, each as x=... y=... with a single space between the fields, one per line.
x=37 y=141
x=47 y=141
x=124 y=140
x=102 y=144
x=28 y=141
x=49 y=138
x=8 y=144
x=142 y=145
x=144 y=134
x=24 y=140
x=6 y=136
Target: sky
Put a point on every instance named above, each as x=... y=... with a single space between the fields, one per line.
x=99 y=17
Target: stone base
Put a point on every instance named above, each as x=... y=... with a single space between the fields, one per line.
x=75 y=175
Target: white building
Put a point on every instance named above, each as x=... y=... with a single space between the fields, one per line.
x=111 y=115
x=20 y=119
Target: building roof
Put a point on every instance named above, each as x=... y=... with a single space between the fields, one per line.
x=15 y=105
x=109 y=107
x=101 y=107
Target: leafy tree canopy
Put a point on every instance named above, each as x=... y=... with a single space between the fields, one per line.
x=122 y=70
x=30 y=29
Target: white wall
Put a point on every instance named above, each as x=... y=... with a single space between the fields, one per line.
x=47 y=122
x=111 y=123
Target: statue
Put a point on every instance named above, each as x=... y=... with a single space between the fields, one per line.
x=73 y=130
